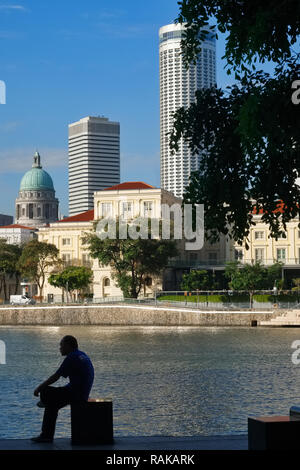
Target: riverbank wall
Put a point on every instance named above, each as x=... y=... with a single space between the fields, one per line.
x=127 y=315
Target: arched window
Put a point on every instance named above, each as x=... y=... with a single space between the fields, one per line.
x=106 y=282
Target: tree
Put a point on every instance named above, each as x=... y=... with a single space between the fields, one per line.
x=9 y=257
x=132 y=261
x=251 y=277
x=36 y=260
x=265 y=30
x=72 y=278
x=248 y=137
x=296 y=283
x=198 y=280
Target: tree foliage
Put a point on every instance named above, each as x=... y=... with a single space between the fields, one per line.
x=199 y=280
x=132 y=261
x=72 y=278
x=9 y=257
x=248 y=136
x=255 y=29
x=251 y=277
x=36 y=261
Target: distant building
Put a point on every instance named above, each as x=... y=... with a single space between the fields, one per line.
x=36 y=204
x=17 y=234
x=11 y=284
x=66 y=235
x=267 y=250
x=130 y=200
x=6 y=219
x=177 y=89
x=94 y=160
x=134 y=198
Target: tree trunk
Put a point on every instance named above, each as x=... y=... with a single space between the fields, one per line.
x=251 y=298
x=41 y=287
x=17 y=284
x=5 y=288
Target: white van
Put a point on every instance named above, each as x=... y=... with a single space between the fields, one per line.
x=21 y=300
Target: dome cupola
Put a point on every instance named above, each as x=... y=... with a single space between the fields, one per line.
x=36 y=179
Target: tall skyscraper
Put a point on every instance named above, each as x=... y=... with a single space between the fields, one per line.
x=94 y=160
x=177 y=88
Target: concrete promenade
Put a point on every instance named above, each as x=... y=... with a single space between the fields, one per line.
x=126 y=315
x=235 y=442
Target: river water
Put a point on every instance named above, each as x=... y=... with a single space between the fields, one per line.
x=163 y=381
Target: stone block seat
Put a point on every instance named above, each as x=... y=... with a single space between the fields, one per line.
x=273 y=433
x=92 y=422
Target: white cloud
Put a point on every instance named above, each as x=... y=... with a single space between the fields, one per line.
x=13 y=7
x=8 y=126
x=105 y=14
x=20 y=159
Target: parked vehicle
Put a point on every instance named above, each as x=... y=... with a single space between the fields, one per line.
x=21 y=300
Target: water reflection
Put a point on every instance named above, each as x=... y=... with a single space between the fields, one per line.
x=170 y=381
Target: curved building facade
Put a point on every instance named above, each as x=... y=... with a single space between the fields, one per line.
x=177 y=89
x=36 y=204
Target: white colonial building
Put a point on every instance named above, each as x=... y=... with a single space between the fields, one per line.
x=130 y=199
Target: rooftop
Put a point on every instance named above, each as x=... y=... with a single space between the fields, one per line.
x=82 y=217
x=130 y=185
x=17 y=226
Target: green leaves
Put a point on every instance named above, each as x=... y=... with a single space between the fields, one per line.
x=249 y=142
x=198 y=280
x=36 y=259
x=132 y=261
x=249 y=138
x=72 y=278
x=264 y=29
x=252 y=277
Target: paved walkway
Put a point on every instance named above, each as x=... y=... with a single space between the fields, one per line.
x=239 y=442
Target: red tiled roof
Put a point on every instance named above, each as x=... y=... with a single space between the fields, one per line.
x=130 y=185
x=280 y=208
x=83 y=217
x=17 y=226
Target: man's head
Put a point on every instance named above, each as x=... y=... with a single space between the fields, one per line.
x=68 y=344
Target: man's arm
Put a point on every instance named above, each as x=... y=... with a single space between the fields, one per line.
x=53 y=378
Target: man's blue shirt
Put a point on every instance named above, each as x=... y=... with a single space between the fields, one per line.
x=79 y=368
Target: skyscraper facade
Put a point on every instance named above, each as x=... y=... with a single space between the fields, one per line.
x=94 y=160
x=177 y=89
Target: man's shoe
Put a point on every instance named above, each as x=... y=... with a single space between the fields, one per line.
x=40 y=404
x=41 y=439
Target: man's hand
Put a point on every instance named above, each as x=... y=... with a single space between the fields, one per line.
x=47 y=382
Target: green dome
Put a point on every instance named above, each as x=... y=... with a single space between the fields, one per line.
x=36 y=179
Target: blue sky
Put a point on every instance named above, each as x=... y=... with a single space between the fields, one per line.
x=64 y=60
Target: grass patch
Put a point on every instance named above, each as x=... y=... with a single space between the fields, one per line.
x=214 y=298
x=235 y=298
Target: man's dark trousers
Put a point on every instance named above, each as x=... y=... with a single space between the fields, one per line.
x=53 y=398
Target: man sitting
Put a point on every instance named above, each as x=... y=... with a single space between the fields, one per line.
x=79 y=368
